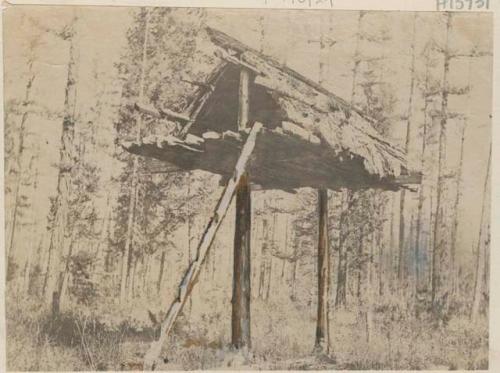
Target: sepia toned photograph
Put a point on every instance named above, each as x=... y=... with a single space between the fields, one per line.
x=246 y=189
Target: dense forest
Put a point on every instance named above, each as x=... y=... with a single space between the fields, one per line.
x=97 y=239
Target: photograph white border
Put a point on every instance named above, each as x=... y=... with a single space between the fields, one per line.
x=391 y=5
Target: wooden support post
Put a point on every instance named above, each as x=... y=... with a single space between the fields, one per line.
x=189 y=280
x=240 y=317
x=241 y=275
x=243 y=105
x=322 y=344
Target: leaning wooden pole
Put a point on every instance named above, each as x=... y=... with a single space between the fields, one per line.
x=322 y=343
x=152 y=356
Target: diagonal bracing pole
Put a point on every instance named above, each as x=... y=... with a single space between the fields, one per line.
x=152 y=356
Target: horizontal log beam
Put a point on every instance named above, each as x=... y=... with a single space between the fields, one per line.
x=148 y=110
x=222 y=54
x=203 y=85
x=293 y=129
x=173 y=115
x=411 y=179
x=161 y=113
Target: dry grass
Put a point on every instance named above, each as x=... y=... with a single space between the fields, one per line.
x=283 y=340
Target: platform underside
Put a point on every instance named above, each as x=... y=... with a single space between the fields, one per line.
x=279 y=161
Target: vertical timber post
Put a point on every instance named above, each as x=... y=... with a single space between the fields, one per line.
x=322 y=343
x=241 y=275
x=243 y=103
x=240 y=318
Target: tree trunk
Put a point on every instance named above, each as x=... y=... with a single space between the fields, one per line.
x=145 y=272
x=441 y=254
x=322 y=343
x=160 y=275
x=401 y=240
x=270 y=261
x=341 y=293
x=430 y=242
x=283 y=266
x=413 y=281
x=360 y=267
x=402 y=210
x=131 y=280
x=381 y=270
x=421 y=195
x=64 y=275
x=369 y=293
x=127 y=252
x=342 y=271
x=133 y=190
x=21 y=280
x=264 y=257
x=454 y=231
x=481 y=243
x=459 y=180
x=60 y=226
x=18 y=161
x=103 y=238
x=340 y=298
x=392 y=247
x=295 y=270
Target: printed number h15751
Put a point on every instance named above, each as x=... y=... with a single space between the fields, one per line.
x=462 y=4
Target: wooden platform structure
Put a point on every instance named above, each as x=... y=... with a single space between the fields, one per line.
x=262 y=125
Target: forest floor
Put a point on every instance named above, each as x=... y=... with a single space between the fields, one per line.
x=79 y=340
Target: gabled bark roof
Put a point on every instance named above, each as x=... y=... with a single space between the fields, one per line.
x=311 y=137
x=320 y=112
